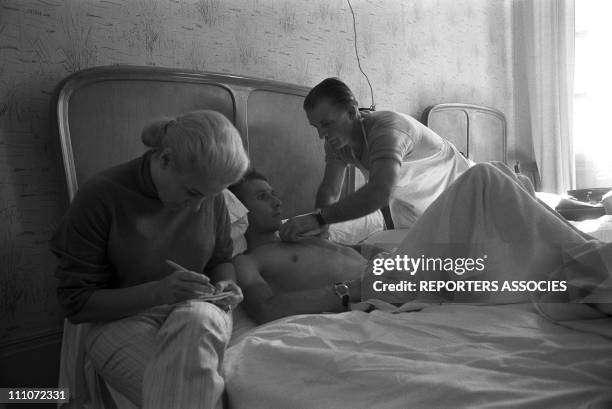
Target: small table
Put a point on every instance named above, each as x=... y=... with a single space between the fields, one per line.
x=587 y=206
x=579 y=212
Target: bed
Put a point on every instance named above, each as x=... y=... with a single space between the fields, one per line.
x=479 y=132
x=420 y=355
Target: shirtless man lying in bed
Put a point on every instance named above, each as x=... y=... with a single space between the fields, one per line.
x=485 y=210
x=280 y=279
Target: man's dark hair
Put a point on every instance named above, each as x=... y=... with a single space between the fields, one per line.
x=336 y=91
x=251 y=174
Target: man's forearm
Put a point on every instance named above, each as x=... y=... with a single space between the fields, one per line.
x=325 y=196
x=364 y=201
x=298 y=302
x=331 y=185
x=313 y=301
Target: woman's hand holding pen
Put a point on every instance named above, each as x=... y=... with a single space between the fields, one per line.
x=182 y=285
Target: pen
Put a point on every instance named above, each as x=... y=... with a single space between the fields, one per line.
x=311 y=233
x=177 y=266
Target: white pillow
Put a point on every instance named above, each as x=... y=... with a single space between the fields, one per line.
x=349 y=232
x=607 y=202
x=238 y=220
x=600 y=228
x=357 y=230
x=388 y=239
x=552 y=200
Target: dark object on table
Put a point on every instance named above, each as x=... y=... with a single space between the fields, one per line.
x=584 y=204
x=577 y=211
x=592 y=195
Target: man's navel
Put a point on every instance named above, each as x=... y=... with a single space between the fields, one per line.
x=294 y=258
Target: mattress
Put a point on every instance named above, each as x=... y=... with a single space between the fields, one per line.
x=460 y=356
x=436 y=356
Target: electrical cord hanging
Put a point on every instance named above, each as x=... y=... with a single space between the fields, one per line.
x=373 y=106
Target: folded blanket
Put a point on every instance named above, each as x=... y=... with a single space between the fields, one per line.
x=487 y=215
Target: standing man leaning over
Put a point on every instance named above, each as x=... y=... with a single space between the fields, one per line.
x=406 y=164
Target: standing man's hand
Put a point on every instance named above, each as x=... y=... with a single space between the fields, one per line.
x=299 y=226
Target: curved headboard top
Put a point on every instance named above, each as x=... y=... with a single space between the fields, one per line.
x=99 y=114
x=479 y=132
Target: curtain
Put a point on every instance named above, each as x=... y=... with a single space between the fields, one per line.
x=545 y=31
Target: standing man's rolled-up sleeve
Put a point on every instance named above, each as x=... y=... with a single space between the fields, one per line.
x=390 y=144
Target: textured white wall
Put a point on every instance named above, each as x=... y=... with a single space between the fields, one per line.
x=416 y=52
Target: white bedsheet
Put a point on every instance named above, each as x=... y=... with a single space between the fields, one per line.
x=450 y=356
x=600 y=228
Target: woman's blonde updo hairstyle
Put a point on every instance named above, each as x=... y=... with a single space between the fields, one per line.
x=204 y=141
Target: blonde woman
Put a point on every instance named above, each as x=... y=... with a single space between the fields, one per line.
x=139 y=247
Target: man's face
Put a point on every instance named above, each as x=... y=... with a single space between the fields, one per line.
x=333 y=123
x=263 y=204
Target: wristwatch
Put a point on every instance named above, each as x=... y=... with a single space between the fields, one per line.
x=342 y=291
x=319 y=216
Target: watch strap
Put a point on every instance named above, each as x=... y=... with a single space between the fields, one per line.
x=319 y=218
x=342 y=291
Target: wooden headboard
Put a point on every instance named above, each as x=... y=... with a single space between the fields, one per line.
x=101 y=111
x=478 y=132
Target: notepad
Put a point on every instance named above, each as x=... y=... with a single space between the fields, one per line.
x=214 y=297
